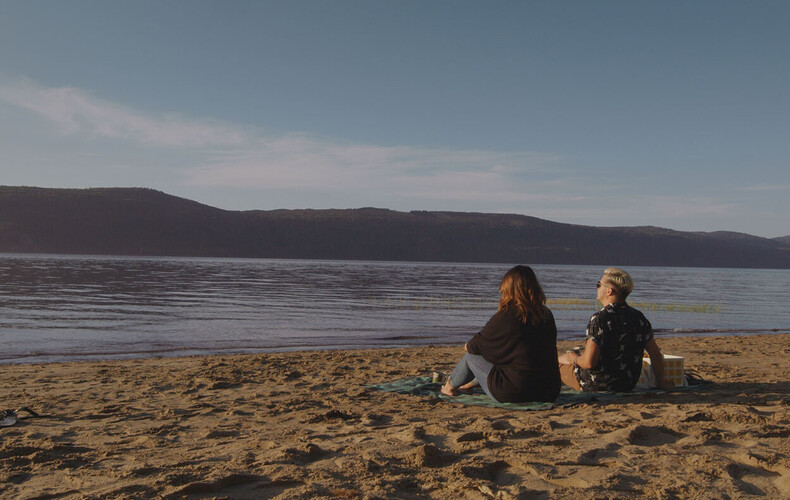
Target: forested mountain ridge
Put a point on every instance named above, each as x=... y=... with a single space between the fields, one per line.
x=139 y=221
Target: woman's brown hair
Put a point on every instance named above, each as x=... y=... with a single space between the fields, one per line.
x=520 y=289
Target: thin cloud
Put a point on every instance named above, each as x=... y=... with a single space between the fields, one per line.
x=233 y=156
x=76 y=112
x=766 y=187
x=215 y=155
x=300 y=161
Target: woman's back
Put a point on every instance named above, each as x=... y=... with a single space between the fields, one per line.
x=524 y=357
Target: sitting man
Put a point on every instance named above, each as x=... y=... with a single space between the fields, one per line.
x=617 y=337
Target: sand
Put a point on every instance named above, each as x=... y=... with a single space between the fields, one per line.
x=302 y=425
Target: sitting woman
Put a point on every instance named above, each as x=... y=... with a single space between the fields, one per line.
x=514 y=355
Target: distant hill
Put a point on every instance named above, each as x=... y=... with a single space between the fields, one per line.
x=783 y=239
x=136 y=221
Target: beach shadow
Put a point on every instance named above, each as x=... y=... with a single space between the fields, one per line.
x=745 y=393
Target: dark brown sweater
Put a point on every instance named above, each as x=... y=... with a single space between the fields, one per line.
x=524 y=357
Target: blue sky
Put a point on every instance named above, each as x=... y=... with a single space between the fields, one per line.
x=607 y=113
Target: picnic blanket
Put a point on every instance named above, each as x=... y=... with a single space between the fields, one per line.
x=423 y=386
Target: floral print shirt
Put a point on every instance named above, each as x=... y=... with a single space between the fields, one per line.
x=621 y=333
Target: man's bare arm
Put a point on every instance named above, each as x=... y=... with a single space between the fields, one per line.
x=587 y=360
x=657 y=362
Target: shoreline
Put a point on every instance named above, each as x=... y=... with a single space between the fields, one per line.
x=186 y=352
x=302 y=424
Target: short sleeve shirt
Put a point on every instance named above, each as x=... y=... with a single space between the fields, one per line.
x=621 y=333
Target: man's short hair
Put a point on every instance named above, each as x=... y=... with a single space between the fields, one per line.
x=620 y=280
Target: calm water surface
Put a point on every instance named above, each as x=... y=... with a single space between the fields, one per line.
x=57 y=308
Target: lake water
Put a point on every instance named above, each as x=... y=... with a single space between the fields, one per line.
x=59 y=308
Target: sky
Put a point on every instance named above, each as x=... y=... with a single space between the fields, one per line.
x=607 y=113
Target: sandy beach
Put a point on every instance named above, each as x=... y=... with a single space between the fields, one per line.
x=303 y=425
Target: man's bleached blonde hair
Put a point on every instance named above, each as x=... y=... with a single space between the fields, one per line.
x=620 y=280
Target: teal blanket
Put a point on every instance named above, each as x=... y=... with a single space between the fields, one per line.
x=422 y=386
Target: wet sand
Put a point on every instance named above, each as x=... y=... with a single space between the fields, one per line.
x=302 y=425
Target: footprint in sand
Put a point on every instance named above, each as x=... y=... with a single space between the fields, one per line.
x=222 y=433
x=624 y=483
x=752 y=472
x=644 y=435
x=502 y=425
x=376 y=419
x=412 y=434
x=131 y=491
x=470 y=436
x=429 y=455
x=304 y=455
x=294 y=375
x=699 y=416
x=217 y=485
x=61 y=454
x=599 y=456
x=775 y=431
x=489 y=471
x=751 y=480
x=145 y=471
x=332 y=415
